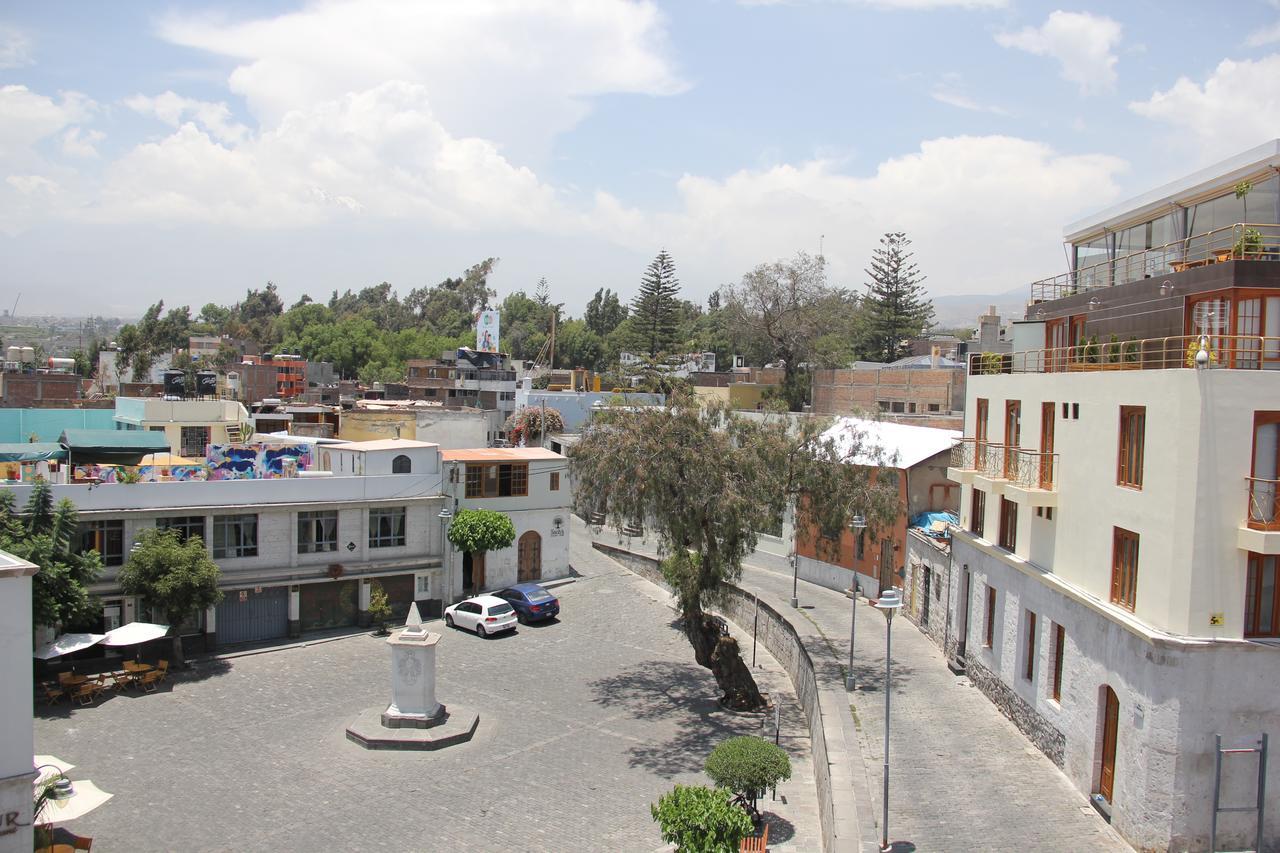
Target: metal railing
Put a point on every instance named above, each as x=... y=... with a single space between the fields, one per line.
x=1264 y=510
x=1249 y=241
x=1032 y=469
x=963 y=454
x=1238 y=352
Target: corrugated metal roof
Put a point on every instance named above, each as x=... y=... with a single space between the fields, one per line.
x=495 y=454
x=895 y=445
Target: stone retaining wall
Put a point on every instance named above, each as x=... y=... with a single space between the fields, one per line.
x=780 y=638
x=1041 y=732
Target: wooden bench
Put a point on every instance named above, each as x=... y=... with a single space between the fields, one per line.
x=756 y=843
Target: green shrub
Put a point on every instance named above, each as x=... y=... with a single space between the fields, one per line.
x=748 y=765
x=476 y=530
x=698 y=819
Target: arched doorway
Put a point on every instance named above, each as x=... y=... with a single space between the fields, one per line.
x=1109 y=710
x=530 y=558
x=401 y=465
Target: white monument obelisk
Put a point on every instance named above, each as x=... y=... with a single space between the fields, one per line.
x=413 y=675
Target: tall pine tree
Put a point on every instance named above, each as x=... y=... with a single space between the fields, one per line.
x=655 y=308
x=896 y=307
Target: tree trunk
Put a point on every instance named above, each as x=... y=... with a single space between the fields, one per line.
x=718 y=652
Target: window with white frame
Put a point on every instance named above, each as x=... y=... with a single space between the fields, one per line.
x=386 y=527
x=235 y=536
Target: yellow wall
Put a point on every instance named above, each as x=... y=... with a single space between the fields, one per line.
x=371 y=426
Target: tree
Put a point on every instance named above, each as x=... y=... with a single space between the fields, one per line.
x=542 y=293
x=604 y=312
x=748 y=765
x=379 y=607
x=705 y=480
x=526 y=423
x=896 y=305
x=257 y=314
x=47 y=535
x=153 y=336
x=790 y=305
x=654 y=307
x=475 y=531
x=175 y=576
x=578 y=346
x=698 y=819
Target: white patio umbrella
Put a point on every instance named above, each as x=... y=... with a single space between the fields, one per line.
x=135 y=634
x=68 y=643
x=85 y=797
x=49 y=766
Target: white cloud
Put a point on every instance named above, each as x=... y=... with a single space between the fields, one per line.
x=949 y=90
x=26 y=118
x=892 y=4
x=517 y=73
x=31 y=184
x=173 y=109
x=1266 y=35
x=1237 y=106
x=984 y=212
x=1083 y=44
x=78 y=142
x=15 y=48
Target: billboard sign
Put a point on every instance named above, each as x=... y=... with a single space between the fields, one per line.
x=487 y=331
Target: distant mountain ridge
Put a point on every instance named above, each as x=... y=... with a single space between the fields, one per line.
x=964 y=309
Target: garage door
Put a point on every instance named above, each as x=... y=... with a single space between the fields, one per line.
x=245 y=616
x=399 y=590
x=332 y=604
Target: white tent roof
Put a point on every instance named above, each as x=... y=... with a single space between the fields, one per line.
x=135 y=633
x=68 y=643
x=900 y=445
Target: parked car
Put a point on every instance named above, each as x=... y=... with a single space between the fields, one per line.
x=531 y=602
x=484 y=614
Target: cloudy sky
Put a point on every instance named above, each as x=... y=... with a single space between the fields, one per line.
x=189 y=151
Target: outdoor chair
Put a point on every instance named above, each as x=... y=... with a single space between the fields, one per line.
x=53 y=693
x=151 y=679
x=86 y=692
x=756 y=843
x=64 y=678
x=162 y=667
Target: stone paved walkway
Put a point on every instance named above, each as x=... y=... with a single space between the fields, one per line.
x=584 y=723
x=962 y=777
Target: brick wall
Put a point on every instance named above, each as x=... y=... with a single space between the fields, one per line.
x=23 y=390
x=844 y=392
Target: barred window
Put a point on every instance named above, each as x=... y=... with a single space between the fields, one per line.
x=386 y=527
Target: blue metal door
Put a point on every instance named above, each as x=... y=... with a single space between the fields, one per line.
x=245 y=616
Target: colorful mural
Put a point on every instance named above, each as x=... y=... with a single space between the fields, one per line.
x=224 y=462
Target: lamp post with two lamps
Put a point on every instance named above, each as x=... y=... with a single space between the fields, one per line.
x=889 y=603
x=857 y=524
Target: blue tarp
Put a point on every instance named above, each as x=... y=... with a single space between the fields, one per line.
x=925 y=521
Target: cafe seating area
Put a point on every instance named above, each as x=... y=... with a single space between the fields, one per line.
x=87 y=689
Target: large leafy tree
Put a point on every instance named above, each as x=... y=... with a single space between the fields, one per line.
x=654 y=311
x=705 y=480
x=176 y=577
x=897 y=307
x=156 y=334
x=45 y=534
x=479 y=530
x=790 y=304
x=604 y=312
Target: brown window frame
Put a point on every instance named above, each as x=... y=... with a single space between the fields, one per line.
x=1253 y=593
x=490 y=480
x=981 y=424
x=1133 y=441
x=1124 y=568
x=1059 y=650
x=1008 y=524
x=1029 y=669
x=1012 y=437
x=555 y=481
x=989 y=624
x=978 y=512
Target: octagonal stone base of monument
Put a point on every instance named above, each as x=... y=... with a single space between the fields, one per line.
x=456 y=725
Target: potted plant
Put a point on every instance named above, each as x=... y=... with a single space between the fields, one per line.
x=699 y=818
x=748 y=766
x=379 y=608
x=1249 y=246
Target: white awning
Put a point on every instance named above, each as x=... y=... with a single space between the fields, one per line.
x=68 y=643
x=135 y=633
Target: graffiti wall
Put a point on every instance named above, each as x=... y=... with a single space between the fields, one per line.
x=224 y=462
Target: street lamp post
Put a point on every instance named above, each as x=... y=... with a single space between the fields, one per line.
x=889 y=603
x=857 y=524
x=445 y=516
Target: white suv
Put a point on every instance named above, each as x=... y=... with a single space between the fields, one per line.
x=484 y=614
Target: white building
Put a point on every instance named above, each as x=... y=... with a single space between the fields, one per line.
x=531 y=485
x=189 y=425
x=17 y=740
x=1115 y=584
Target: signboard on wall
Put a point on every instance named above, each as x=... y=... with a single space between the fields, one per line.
x=487 y=331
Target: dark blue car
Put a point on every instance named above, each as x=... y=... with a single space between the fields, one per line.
x=531 y=602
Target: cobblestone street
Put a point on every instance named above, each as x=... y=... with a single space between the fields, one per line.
x=583 y=724
x=962 y=777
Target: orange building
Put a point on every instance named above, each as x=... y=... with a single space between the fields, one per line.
x=919 y=457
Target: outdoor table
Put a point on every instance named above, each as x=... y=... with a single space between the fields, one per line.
x=75 y=680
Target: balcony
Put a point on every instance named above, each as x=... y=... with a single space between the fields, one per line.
x=1261 y=531
x=1025 y=476
x=1233 y=352
x=1247 y=241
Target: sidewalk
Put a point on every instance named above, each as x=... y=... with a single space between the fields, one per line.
x=962 y=777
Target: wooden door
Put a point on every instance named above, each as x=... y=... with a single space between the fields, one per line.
x=1110 y=725
x=1012 y=437
x=886 y=564
x=1047 y=412
x=924 y=606
x=472 y=572
x=1075 y=337
x=529 y=567
x=1056 y=342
